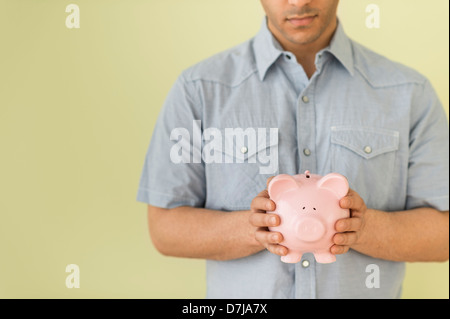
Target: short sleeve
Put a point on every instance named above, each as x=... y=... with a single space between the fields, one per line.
x=428 y=181
x=172 y=175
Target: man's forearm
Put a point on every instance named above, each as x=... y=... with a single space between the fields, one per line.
x=201 y=233
x=416 y=235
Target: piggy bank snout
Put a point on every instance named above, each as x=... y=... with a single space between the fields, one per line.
x=310 y=229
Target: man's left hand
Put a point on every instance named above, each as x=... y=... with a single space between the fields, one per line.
x=349 y=229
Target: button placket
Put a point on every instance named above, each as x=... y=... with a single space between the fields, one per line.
x=305 y=278
x=306 y=129
x=305 y=272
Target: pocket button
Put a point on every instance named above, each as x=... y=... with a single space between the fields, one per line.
x=368 y=150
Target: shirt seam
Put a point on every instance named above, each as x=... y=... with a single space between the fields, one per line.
x=381 y=86
x=230 y=85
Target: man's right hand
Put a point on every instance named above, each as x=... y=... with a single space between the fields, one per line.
x=261 y=219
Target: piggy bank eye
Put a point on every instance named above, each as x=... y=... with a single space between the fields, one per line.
x=304 y=208
x=314 y=208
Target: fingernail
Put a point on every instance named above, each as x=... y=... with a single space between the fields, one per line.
x=273 y=220
x=269 y=206
x=275 y=237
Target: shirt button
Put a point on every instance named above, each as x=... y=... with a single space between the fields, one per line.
x=305 y=263
x=305 y=99
x=307 y=152
x=244 y=150
x=288 y=56
x=367 y=150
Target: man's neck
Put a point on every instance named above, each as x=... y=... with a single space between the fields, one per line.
x=306 y=53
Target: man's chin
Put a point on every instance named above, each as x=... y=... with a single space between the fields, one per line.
x=301 y=38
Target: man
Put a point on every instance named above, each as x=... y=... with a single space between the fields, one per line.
x=336 y=107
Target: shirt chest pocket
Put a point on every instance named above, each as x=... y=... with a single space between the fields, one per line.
x=367 y=157
x=237 y=168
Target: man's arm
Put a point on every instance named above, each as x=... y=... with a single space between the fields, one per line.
x=201 y=233
x=420 y=234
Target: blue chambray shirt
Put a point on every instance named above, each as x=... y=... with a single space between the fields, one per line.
x=376 y=122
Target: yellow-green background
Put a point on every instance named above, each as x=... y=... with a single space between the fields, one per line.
x=77 y=110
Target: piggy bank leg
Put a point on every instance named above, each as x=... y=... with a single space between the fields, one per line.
x=292 y=257
x=325 y=257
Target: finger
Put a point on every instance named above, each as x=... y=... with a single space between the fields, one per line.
x=348 y=225
x=352 y=201
x=264 y=220
x=339 y=250
x=267 y=237
x=277 y=249
x=270 y=241
x=262 y=203
x=345 y=239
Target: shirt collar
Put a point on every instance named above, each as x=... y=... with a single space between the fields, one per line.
x=267 y=49
x=341 y=48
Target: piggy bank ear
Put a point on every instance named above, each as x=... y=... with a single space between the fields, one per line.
x=281 y=184
x=336 y=183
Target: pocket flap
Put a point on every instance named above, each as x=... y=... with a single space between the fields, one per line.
x=367 y=142
x=242 y=144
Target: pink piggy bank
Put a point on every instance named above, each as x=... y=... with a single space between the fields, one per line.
x=308 y=206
